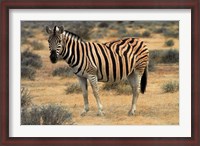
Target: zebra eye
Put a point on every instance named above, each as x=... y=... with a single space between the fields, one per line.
x=59 y=41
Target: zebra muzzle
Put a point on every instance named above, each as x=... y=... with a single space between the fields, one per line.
x=53 y=56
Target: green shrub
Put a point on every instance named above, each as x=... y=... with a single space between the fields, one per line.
x=63 y=71
x=169 y=43
x=73 y=88
x=45 y=115
x=170 y=87
x=25 y=97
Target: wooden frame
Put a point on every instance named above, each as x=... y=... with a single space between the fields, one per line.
x=89 y=4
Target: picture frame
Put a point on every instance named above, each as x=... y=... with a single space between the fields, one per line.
x=89 y=4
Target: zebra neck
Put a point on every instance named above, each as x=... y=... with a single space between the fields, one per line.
x=71 y=49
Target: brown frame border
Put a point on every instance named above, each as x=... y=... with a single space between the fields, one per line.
x=194 y=5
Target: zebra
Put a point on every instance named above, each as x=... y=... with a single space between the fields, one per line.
x=101 y=62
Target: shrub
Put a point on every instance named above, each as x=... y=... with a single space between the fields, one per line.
x=126 y=90
x=110 y=86
x=151 y=66
x=26 y=34
x=170 y=87
x=137 y=34
x=121 y=87
x=29 y=62
x=146 y=34
x=167 y=56
x=28 y=54
x=31 y=116
x=103 y=25
x=25 y=97
x=122 y=31
x=28 y=72
x=159 y=30
x=81 y=28
x=63 y=71
x=45 y=115
x=37 y=45
x=73 y=88
x=171 y=33
x=170 y=56
x=155 y=56
x=55 y=115
x=169 y=43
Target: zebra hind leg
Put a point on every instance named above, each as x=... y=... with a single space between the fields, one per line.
x=84 y=87
x=134 y=80
x=93 y=82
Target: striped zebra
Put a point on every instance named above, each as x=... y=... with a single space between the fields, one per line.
x=107 y=62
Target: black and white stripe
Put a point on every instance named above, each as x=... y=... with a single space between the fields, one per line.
x=108 y=62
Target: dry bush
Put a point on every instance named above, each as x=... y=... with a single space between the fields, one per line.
x=169 y=43
x=73 y=88
x=25 y=97
x=170 y=56
x=164 y=56
x=29 y=63
x=63 y=71
x=146 y=34
x=151 y=66
x=170 y=87
x=37 y=45
x=121 y=87
x=45 y=115
x=28 y=72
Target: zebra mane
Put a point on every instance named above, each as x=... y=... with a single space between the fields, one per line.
x=73 y=34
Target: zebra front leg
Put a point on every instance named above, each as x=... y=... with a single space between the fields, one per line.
x=93 y=82
x=84 y=87
x=134 y=80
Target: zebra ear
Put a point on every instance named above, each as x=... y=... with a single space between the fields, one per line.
x=61 y=29
x=48 y=30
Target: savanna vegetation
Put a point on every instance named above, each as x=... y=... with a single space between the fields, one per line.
x=51 y=94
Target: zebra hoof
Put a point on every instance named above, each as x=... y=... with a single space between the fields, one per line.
x=131 y=113
x=84 y=113
x=101 y=113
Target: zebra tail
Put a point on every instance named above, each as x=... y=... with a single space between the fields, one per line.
x=143 y=82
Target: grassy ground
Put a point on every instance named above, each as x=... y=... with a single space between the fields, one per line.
x=153 y=108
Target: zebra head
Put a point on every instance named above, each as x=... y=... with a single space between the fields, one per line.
x=55 y=42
